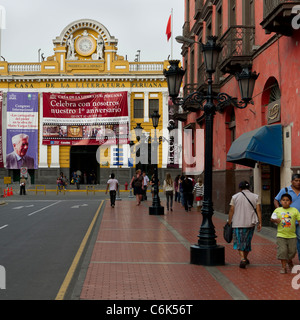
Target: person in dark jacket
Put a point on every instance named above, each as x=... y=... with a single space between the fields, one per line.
x=187 y=187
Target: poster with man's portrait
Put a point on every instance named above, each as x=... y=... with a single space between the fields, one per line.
x=22 y=130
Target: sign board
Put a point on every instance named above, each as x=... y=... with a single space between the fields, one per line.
x=274 y=112
x=24 y=172
x=130 y=162
x=85 y=119
x=7 y=180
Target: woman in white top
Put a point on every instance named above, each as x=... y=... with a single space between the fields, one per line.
x=244 y=214
x=199 y=192
x=169 y=190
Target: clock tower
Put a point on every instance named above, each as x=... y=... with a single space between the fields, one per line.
x=85 y=41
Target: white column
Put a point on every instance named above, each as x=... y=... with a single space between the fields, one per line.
x=42 y=148
x=62 y=62
x=146 y=106
x=54 y=157
x=257 y=180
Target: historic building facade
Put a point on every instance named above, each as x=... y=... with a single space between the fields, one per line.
x=80 y=106
x=260 y=34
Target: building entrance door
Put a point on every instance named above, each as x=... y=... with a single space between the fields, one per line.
x=83 y=158
x=270 y=181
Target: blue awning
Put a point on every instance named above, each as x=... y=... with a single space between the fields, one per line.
x=263 y=144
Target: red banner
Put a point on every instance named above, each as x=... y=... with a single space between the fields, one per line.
x=85 y=119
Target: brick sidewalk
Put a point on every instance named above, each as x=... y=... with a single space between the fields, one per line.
x=141 y=257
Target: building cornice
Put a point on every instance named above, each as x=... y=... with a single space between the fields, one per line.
x=81 y=78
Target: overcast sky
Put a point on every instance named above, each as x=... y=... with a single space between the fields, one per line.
x=137 y=24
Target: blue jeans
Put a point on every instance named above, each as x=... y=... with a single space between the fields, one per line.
x=181 y=198
x=298 y=239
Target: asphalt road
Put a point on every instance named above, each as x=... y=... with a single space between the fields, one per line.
x=38 y=242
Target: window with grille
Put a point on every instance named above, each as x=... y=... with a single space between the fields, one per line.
x=138 y=108
x=153 y=106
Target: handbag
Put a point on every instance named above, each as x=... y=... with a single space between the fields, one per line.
x=227 y=232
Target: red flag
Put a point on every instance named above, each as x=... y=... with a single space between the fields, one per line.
x=169 y=29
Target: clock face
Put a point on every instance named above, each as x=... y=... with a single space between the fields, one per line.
x=85 y=46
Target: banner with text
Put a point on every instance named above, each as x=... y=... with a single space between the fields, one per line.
x=22 y=130
x=85 y=119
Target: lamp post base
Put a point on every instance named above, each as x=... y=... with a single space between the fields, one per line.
x=156 y=211
x=208 y=256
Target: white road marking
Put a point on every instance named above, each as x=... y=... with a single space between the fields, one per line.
x=78 y=206
x=4 y=226
x=30 y=214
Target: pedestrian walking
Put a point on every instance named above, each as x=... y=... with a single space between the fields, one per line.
x=294 y=191
x=137 y=185
x=181 y=179
x=176 y=189
x=244 y=214
x=169 y=190
x=152 y=184
x=285 y=217
x=112 y=186
x=187 y=187
x=145 y=183
x=199 y=192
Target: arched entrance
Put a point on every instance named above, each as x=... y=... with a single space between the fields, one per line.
x=83 y=158
x=270 y=175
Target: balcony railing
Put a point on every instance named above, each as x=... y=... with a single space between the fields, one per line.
x=24 y=67
x=189 y=88
x=237 y=43
x=278 y=16
x=144 y=66
x=270 y=5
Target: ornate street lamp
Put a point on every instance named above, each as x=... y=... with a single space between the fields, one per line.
x=138 y=131
x=211 y=54
x=156 y=208
x=207 y=252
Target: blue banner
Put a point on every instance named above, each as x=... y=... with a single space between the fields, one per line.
x=22 y=130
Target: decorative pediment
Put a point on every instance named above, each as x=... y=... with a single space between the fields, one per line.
x=84 y=24
x=85 y=40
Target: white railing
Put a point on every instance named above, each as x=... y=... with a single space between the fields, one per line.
x=139 y=66
x=24 y=67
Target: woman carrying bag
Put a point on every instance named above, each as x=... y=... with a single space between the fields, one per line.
x=244 y=214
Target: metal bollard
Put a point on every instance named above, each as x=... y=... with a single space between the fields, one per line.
x=130 y=194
